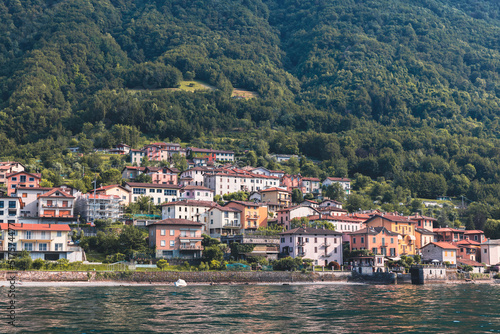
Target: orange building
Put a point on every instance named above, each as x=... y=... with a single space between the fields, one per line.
x=378 y=240
x=401 y=225
x=56 y=203
x=176 y=238
x=253 y=215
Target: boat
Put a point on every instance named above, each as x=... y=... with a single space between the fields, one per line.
x=180 y=282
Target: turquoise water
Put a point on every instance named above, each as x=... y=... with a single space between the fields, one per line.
x=466 y=308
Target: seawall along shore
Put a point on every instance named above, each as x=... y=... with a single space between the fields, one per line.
x=239 y=277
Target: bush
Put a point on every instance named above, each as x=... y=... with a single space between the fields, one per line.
x=215 y=265
x=23 y=263
x=38 y=264
x=334 y=265
x=287 y=264
x=63 y=263
x=162 y=264
x=497 y=276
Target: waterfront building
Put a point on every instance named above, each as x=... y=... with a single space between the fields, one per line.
x=99 y=206
x=193 y=210
x=490 y=252
x=223 y=221
x=43 y=241
x=320 y=245
x=378 y=240
x=158 y=193
x=253 y=215
x=176 y=238
x=440 y=252
x=115 y=190
x=398 y=224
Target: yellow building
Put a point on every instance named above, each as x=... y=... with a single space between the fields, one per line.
x=253 y=215
x=279 y=197
x=401 y=225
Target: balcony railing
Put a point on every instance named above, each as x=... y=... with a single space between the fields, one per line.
x=232 y=225
x=252 y=217
x=56 y=206
x=301 y=243
x=301 y=253
x=191 y=247
x=325 y=245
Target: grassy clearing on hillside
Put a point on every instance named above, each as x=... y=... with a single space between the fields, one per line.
x=187 y=86
x=243 y=93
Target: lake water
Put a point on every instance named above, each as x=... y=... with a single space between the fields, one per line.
x=465 y=308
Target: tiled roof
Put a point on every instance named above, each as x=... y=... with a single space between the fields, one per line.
x=314 y=179
x=448 y=229
x=54 y=191
x=176 y=221
x=309 y=231
x=225 y=208
x=424 y=231
x=374 y=231
x=466 y=242
x=474 y=232
x=134 y=168
x=209 y=150
x=392 y=218
x=153 y=185
x=418 y=217
x=190 y=202
x=341 y=179
x=334 y=218
x=275 y=189
x=441 y=244
x=35 y=227
x=246 y=203
x=196 y=188
x=470 y=262
x=37 y=175
x=111 y=186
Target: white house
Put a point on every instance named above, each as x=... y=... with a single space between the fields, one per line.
x=188 y=209
x=440 y=251
x=224 y=220
x=343 y=181
x=286 y=215
x=321 y=246
x=159 y=193
x=490 y=252
x=198 y=193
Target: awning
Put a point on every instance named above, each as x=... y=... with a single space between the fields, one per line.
x=412 y=237
x=397 y=258
x=400 y=237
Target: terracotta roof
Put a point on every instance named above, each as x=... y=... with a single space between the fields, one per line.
x=35 y=227
x=374 y=231
x=246 y=203
x=466 y=242
x=470 y=262
x=37 y=175
x=197 y=188
x=225 y=208
x=34 y=188
x=112 y=186
x=334 y=218
x=152 y=185
x=418 y=217
x=448 y=229
x=290 y=208
x=393 y=218
x=342 y=179
x=274 y=189
x=176 y=221
x=134 y=168
x=54 y=191
x=441 y=244
x=474 y=232
x=315 y=179
x=190 y=202
x=310 y=231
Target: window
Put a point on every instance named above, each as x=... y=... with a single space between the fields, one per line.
x=22 y=178
x=169 y=192
x=485 y=251
x=42 y=247
x=1 y=213
x=162 y=243
x=12 y=204
x=43 y=235
x=392 y=240
x=28 y=247
x=315 y=249
x=59 y=247
x=353 y=240
x=151 y=190
x=335 y=250
x=32 y=179
x=14 y=179
x=139 y=191
x=374 y=240
x=25 y=195
x=315 y=240
x=29 y=235
x=12 y=246
x=158 y=191
x=362 y=239
x=172 y=232
x=1 y=205
x=162 y=232
x=172 y=243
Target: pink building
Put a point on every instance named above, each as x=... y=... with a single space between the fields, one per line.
x=291 y=181
x=162 y=175
x=321 y=246
x=8 y=168
x=176 y=238
x=22 y=179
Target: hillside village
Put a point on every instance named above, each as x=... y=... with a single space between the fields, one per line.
x=272 y=215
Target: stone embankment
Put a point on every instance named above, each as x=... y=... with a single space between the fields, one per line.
x=238 y=277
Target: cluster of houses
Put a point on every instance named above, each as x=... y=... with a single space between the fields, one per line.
x=41 y=216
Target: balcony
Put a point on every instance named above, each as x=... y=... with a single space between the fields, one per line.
x=232 y=225
x=325 y=245
x=301 y=253
x=57 y=206
x=301 y=243
x=190 y=247
x=254 y=217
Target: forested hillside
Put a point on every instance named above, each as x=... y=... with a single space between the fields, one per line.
x=407 y=90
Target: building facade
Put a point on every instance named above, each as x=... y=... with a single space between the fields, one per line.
x=176 y=238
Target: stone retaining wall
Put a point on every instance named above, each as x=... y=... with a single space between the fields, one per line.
x=171 y=276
